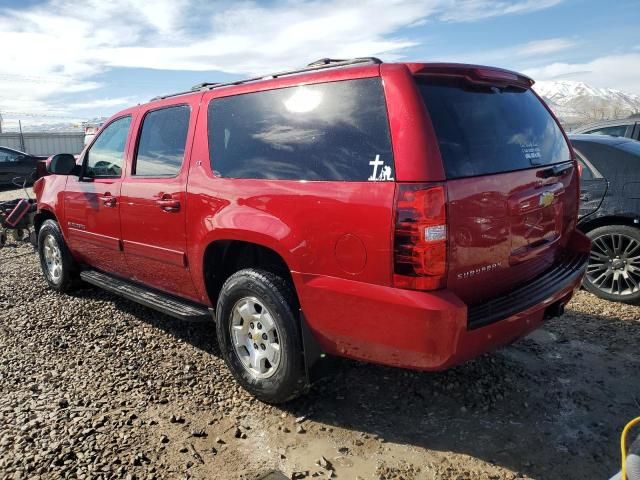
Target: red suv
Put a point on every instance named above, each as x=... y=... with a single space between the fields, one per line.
x=414 y=215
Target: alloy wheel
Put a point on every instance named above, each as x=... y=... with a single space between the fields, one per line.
x=255 y=337
x=614 y=264
x=53 y=258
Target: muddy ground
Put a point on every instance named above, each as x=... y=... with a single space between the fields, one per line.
x=94 y=386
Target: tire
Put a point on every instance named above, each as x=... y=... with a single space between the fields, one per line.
x=614 y=265
x=58 y=266
x=256 y=311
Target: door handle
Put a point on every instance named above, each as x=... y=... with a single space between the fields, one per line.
x=108 y=200
x=168 y=204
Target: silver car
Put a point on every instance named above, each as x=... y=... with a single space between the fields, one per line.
x=626 y=127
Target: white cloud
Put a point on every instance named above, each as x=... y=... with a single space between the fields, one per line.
x=545 y=47
x=61 y=45
x=511 y=57
x=621 y=72
x=101 y=103
x=472 y=10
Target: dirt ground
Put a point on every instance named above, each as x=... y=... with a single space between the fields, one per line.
x=94 y=386
x=10 y=193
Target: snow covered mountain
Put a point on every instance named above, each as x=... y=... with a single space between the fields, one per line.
x=576 y=102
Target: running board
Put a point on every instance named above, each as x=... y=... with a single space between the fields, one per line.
x=162 y=302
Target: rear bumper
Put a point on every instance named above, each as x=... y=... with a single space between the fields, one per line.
x=427 y=330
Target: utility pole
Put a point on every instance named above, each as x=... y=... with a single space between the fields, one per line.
x=0 y=122
x=21 y=136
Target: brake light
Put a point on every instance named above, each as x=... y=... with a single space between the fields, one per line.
x=491 y=75
x=476 y=74
x=420 y=237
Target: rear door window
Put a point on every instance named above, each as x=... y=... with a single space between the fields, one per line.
x=330 y=131
x=162 y=142
x=485 y=130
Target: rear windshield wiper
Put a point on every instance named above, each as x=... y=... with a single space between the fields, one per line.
x=555 y=171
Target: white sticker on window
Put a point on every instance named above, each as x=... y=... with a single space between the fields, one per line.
x=531 y=152
x=384 y=175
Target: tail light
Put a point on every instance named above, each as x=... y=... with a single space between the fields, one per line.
x=420 y=237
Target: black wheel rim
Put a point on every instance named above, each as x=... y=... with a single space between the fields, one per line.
x=614 y=264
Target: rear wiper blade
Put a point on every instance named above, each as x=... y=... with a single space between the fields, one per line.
x=555 y=171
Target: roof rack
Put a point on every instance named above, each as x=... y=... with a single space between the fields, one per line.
x=313 y=66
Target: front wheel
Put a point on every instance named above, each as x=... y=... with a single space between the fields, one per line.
x=258 y=334
x=613 y=272
x=58 y=266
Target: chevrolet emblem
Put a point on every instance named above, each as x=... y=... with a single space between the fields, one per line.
x=546 y=199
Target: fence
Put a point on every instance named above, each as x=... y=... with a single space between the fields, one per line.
x=44 y=143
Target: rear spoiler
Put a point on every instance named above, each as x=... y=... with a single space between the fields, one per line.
x=478 y=74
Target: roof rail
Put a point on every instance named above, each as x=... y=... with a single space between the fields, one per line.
x=313 y=66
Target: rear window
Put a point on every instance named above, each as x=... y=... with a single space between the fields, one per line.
x=329 y=131
x=484 y=130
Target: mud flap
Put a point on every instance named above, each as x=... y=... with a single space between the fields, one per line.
x=316 y=363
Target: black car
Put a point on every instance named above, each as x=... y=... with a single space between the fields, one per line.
x=14 y=163
x=610 y=214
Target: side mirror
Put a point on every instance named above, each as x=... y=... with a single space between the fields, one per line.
x=62 y=164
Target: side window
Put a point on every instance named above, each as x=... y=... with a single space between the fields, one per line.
x=614 y=131
x=106 y=155
x=8 y=156
x=329 y=131
x=162 y=142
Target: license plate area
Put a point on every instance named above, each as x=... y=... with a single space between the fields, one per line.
x=536 y=221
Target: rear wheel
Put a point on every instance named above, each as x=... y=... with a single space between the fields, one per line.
x=58 y=266
x=614 y=264
x=258 y=334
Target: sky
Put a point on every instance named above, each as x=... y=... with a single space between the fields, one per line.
x=68 y=61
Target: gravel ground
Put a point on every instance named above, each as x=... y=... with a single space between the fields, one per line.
x=94 y=386
x=10 y=193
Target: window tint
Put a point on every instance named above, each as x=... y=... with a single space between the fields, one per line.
x=330 y=131
x=162 y=142
x=8 y=155
x=105 y=157
x=614 y=131
x=483 y=130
